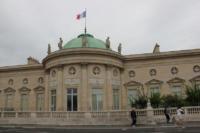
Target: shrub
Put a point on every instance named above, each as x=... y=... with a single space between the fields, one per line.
x=172 y=101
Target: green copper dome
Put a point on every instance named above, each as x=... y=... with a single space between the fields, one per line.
x=91 y=42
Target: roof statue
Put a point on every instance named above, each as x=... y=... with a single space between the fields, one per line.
x=60 y=44
x=107 y=43
x=84 y=41
x=156 y=49
x=120 y=48
x=49 y=49
x=32 y=60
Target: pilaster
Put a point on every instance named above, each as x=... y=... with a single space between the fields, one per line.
x=108 y=88
x=123 y=90
x=83 y=91
x=46 y=92
x=59 y=91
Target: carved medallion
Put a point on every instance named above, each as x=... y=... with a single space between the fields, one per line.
x=152 y=72
x=10 y=82
x=96 y=70
x=72 y=71
x=131 y=73
x=115 y=73
x=196 y=68
x=25 y=81
x=174 y=70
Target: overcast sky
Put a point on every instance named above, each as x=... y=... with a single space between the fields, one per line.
x=27 y=26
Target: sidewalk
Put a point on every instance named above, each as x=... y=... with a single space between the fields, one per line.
x=188 y=125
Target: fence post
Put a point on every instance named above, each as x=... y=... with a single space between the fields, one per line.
x=16 y=114
x=33 y=114
x=150 y=114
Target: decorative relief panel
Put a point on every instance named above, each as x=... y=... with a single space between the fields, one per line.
x=24 y=89
x=72 y=71
x=152 y=72
x=53 y=83
x=96 y=70
x=196 y=68
x=131 y=74
x=96 y=81
x=115 y=82
x=9 y=89
x=174 y=70
x=72 y=81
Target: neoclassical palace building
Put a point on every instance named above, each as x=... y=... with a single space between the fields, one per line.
x=85 y=74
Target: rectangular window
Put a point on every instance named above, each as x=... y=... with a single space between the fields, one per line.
x=9 y=101
x=116 y=99
x=97 y=99
x=72 y=101
x=53 y=100
x=40 y=101
x=197 y=85
x=132 y=95
x=176 y=90
x=154 y=90
x=24 y=102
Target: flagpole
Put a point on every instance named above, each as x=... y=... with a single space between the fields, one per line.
x=85 y=20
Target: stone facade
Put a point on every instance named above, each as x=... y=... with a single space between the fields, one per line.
x=92 y=79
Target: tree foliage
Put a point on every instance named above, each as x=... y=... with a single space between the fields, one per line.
x=192 y=99
x=193 y=95
x=172 y=101
x=155 y=100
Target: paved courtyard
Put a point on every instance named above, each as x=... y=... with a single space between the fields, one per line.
x=162 y=129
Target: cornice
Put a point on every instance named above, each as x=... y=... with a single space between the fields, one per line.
x=21 y=67
x=160 y=55
x=82 y=51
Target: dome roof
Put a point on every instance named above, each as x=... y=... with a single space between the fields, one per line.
x=91 y=42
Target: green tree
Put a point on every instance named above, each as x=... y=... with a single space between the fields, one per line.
x=141 y=101
x=193 y=95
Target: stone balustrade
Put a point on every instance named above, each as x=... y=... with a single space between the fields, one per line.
x=94 y=118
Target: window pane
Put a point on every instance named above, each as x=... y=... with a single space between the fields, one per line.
x=97 y=101
x=176 y=90
x=72 y=99
x=53 y=100
x=154 y=90
x=69 y=91
x=9 y=101
x=69 y=103
x=115 y=99
x=40 y=102
x=75 y=103
x=24 y=102
x=132 y=95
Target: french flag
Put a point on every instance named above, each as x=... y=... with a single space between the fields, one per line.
x=81 y=15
